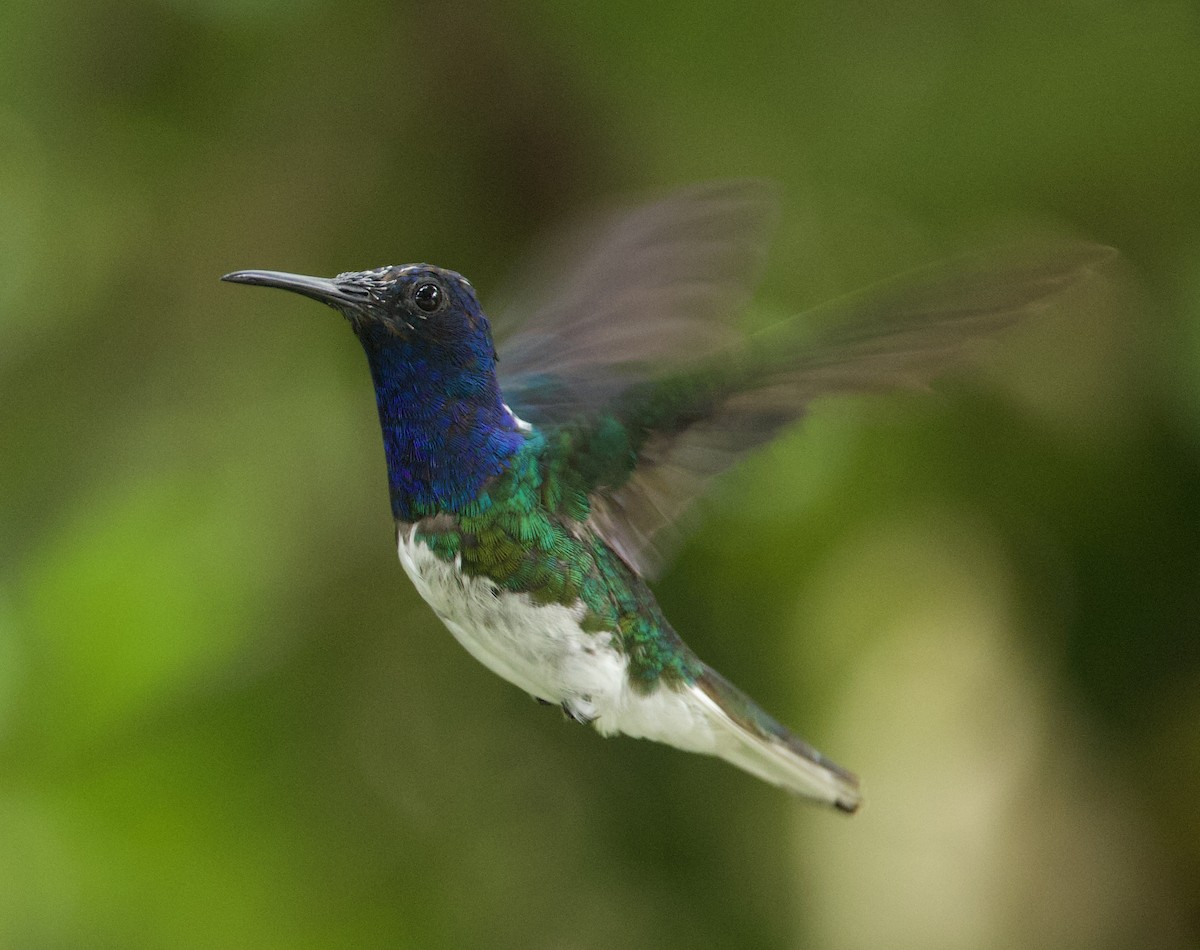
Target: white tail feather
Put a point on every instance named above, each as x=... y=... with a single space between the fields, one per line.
x=775 y=762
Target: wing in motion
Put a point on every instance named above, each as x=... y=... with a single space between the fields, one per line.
x=636 y=345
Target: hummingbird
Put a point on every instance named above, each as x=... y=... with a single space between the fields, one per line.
x=537 y=492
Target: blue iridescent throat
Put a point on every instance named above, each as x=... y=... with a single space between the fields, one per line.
x=446 y=430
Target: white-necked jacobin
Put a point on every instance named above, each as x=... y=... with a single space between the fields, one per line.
x=533 y=496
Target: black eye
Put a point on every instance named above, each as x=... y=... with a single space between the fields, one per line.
x=427 y=297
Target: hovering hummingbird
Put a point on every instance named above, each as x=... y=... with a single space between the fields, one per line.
x=535 y=497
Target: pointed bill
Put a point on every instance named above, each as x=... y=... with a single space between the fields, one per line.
x=324 y=289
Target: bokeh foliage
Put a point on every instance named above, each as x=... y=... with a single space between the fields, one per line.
x=225 y=718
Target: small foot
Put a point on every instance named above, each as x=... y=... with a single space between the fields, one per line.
x=584 y=716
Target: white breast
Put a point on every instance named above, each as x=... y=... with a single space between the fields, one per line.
x=539 y=647
x=542 y=649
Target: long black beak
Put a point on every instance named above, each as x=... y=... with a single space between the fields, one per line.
x=318 y=288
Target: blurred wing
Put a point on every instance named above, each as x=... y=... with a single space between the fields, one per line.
x=626 y=295
x=902 y=333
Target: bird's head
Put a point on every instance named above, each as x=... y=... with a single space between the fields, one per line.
x=423 y=307
x=446 y=429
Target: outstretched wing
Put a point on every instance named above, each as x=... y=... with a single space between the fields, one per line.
x=630 y=294
x=632 y=363
x=901 y=334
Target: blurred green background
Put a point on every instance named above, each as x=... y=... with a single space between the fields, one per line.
x=226 y=720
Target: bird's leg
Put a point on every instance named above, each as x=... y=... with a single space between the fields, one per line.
x=582 y=715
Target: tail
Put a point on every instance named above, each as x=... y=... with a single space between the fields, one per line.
x=757 y=743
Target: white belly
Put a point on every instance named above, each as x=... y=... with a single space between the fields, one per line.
x=539 y=647
x=543 y=650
